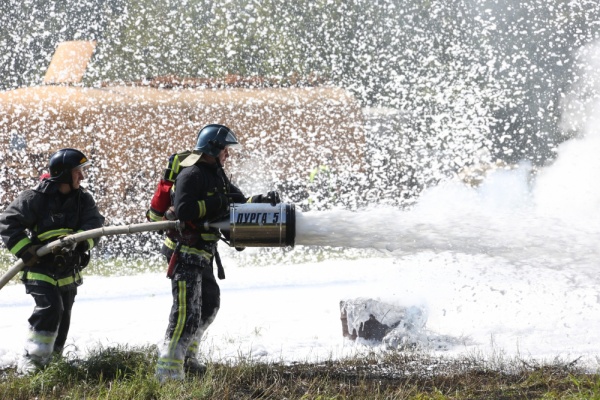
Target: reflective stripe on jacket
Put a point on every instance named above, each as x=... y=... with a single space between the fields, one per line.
x=43 y=214
x=194 y=192
x=37 y=277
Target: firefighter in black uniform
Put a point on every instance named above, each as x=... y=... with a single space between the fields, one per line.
x=56 y=207
x=202 y=192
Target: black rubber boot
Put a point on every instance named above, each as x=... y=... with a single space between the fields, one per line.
x=194 y=367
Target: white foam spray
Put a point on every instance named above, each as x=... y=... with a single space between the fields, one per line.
x=500 y=218
x=551 y=218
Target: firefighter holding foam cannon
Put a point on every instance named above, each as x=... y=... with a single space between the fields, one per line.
x=196 y=190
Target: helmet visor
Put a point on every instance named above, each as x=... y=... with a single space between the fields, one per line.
x=231 y=140
x=86 y=164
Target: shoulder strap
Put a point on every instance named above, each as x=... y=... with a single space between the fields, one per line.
x=174 y=165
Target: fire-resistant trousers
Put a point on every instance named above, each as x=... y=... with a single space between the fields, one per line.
x=196 y=301
x=51 y=315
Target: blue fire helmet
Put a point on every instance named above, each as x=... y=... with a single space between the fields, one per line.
x=214 y=138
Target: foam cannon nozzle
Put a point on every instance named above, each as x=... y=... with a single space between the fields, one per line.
x=260 y=225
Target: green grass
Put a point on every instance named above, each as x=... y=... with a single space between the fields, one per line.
x=128 y=373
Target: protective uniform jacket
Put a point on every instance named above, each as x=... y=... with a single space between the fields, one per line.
x=41 y=215
x=195 y=199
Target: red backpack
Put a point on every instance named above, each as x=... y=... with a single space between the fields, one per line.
x=161 y=200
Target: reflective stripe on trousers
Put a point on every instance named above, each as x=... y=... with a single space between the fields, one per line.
x=184 y=319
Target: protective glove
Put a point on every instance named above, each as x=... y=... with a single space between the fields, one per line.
x=170 y=214
x=66 y=245
x=68 y=254
x=29 y=256
x=217 y=205
x=272 y=197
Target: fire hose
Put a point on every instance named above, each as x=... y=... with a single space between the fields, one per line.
x=249 y=225
x=91 y=234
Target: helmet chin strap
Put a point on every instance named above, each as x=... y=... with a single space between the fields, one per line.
x=70 y=183
x=223 y=174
